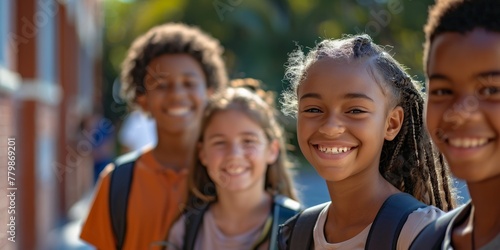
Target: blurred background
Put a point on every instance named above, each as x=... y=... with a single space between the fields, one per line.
x=59 y=85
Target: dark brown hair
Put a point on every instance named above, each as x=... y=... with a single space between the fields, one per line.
x=171 y=38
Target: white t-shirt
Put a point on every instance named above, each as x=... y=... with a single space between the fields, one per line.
x=416 y=221
x=210 y=237
x=137 y=131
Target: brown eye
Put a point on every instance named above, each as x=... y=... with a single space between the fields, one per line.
x=312 y=110
x=190 y=84
x=441 y=92
x=487 y=91
x=356 y=111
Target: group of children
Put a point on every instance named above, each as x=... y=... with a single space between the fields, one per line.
x=218 y=177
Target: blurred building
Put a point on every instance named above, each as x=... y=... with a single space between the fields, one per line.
x=50 y=78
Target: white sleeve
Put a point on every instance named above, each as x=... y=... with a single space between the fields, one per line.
x=137 y=131
x=176 y=235
x=416 y=221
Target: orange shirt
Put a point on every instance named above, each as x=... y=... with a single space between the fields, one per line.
x=155 y=201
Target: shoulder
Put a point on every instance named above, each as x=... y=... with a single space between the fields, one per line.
x=436 y=234
x=129 y=157
x=308 y=219
x=451 y=220
x=415 y=222
x=107 y=173
x=178 y=227
x=104 y=179
x=287 y=203
x=176 y=233
x=425 y=213
x=421 y=217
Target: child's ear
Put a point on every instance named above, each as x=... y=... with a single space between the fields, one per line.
x=394 y=123
x=274 y=151
x=201 y=153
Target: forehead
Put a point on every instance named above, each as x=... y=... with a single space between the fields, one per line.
x=231 y=121
x=331 y=77
x=167 y=64
x=464 y=56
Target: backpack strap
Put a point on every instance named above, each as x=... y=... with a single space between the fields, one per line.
x=283 y=209
x=119 y=189
x=433 y=235
x=390 y=219
x=193 y=219
x=302 y=232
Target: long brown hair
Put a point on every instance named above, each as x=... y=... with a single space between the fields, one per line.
x=245 y=96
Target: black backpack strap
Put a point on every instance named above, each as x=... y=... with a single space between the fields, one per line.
x=390 y=219
x=193 y=218
x=283 y=209
x=119 y=189
x=432 y=236
x=301 y=237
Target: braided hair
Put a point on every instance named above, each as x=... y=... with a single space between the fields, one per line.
x=410 y=162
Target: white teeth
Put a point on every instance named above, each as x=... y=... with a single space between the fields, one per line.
x=333 y=150
x=235 y=170
x=467 y=142
x=178 y=111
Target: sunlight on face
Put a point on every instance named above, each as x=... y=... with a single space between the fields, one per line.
x=235 y=152
x=342 y=119
x=463 y=104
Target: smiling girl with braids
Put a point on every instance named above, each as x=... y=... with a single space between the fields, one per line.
x=360 y=125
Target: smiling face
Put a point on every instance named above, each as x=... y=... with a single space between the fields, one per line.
x=176 y=92
x=236 y=152
x=463 y=108
x=343 y=119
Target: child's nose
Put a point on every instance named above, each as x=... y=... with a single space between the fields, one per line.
x=332 y=127
x=463 y=110
x=235 y=150
x=176 y=91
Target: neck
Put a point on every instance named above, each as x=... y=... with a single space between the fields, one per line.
x=175 y=151
x=237 y=214
x=357 y=200
x=237 y=206
x=486 y=215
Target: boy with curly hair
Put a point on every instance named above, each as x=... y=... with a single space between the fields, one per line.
x=169 y=72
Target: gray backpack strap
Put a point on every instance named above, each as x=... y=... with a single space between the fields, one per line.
x=302 y=233
x=119 y=189
x=390 y=219
x=433 y=235
x=283 y=209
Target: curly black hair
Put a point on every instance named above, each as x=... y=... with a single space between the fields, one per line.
x=460 y=16
x=410 y=162
x=171 y=38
